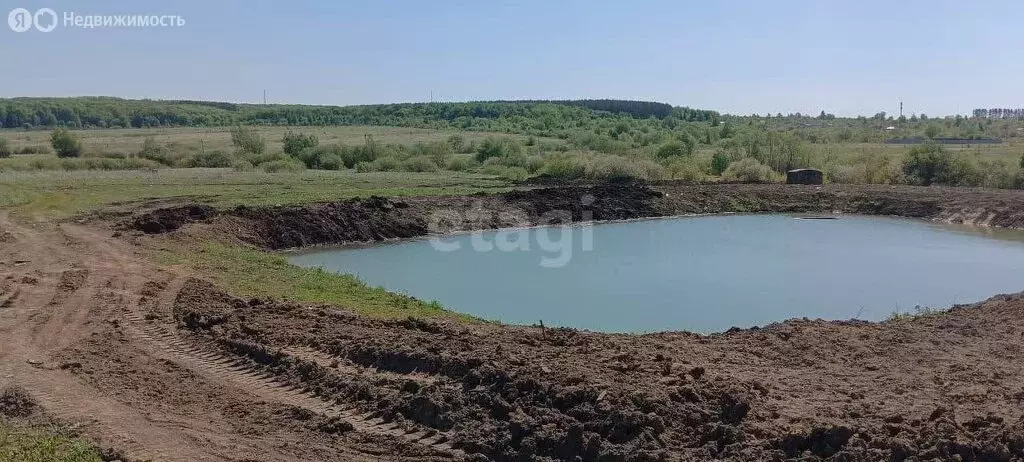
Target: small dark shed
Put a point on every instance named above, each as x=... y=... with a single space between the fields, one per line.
x=804 y=176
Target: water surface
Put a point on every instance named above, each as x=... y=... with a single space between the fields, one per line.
x=703 y=274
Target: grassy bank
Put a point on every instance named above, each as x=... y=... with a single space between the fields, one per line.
x=247 y=272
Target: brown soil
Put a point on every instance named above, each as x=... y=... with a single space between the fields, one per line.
x=378 y=219
x=163 y=366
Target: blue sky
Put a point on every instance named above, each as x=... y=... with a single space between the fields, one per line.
x=741 y=57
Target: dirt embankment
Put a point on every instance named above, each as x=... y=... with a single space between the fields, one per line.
x=377 y=218
x=941 y=387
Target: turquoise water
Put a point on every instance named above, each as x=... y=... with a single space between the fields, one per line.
x=703 y=274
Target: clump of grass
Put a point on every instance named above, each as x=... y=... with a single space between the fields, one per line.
x=919 y=311
x=45 y=444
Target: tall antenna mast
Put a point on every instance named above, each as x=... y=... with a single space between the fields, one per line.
x=264 y=97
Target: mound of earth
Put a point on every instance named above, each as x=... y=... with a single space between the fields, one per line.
x=939 y=387
x=378 y=219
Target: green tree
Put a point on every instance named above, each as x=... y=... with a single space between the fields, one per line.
x=65 y=144
x=719 y=162
x=932 y=131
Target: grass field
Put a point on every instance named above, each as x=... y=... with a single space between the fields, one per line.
x=60 y=194
x=129 y=141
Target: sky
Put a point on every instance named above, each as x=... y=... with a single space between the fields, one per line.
x=740 y=57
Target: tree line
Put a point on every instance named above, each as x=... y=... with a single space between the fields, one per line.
x=105 y=112
x=999 y=113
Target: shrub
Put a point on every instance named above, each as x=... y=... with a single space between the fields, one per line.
x=565 y=167
x=618 y=168
x=247 y=140
x=439 y=152
x=5 y=148
x=924 y=164
x=324 y=157
x=211 y=159
x=65 y=144
x=672 y=148
x=686 y=169
x=295 y=143
x=749 y=170
x=159 y=153
x=497 y=147
x=460 y=164
x=419 y=164
x=283 y=165
x=719 y=162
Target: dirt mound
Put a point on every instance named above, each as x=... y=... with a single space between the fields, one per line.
x=171 y=218
x=937 y=387
x=378 y=218
x=17 y=402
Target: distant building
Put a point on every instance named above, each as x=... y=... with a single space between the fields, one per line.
x=805 y=176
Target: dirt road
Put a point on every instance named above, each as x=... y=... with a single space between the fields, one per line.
x=163 y=366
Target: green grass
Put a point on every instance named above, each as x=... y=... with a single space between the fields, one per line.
x=32 y=444
x=61 y=194
x=246 y=272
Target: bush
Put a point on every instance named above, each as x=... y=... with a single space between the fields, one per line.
x=460 y=164
x=295 y=143
x=5 y=148
x=283 y=165
x=686 y=169
x=211 y=159
x=719 y=162
x=158 y=153
x=419 y=164
x=65 y=144
x=749 y=170
x=565 y=167
x=439 y=152
x=325 y=157
x=618 y=168
x=671 y=149
x=931 y=164
x=247 y=140
x=497 y=147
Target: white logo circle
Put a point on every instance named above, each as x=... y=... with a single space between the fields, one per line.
x=20 y=19
x=39 y=24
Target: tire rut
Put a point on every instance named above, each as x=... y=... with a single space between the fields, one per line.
x=241 y=373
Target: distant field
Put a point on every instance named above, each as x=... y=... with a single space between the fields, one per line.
x=196 y=139
x=59 y=193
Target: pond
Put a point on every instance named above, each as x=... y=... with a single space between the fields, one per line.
x=701 y=274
